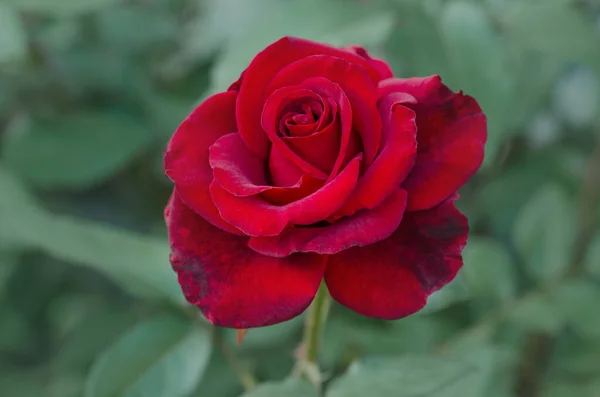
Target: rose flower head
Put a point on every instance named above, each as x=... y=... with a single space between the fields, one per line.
x=319 y=164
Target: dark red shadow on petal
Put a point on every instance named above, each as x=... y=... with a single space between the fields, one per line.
x=186 y=157
x=355 y=84
x=361 y=229
x=262 y=69
x=255 y=216
x=393 y=278
x=451 y=137
x=232 y=285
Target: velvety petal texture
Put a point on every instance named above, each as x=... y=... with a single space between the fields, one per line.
x=451 y=134
x=318 y=164
x=186 y=158
x=393 y=278
x=231 y=284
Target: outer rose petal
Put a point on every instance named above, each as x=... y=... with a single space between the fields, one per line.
x=186 y=157
x=262 y=69
x=395 y=159
x=385 y=71
x=355 y=84
x=232 y=285
x=364 y=228
x=451 y=139
x=393 y=278
x=256 y=217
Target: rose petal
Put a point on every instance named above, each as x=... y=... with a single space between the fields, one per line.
x=282 y=170
x=385 y=71
x=270 y=123
x=393 y=278
x=395 y=159
x=232 y=285
x=364 y=228
x=237 y=170
x=355 y=84
x=327 y=149
x=241 y=173
x=255 y=216
x=262 y=69
x=451 y=138
x=186 y=157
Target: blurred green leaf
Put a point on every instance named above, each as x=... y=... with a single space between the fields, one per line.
x=567 y=387
x=219 y=379
x=289 y=388
x=161 y=357
x=577 y=356
x=13 y=40
x=554 y=28
x=62 y=8
x=76 y=151
x=544 y=232
x=124 y=28
x=488 y=269
x=352 y=335
x=336 y=22
x=578 y=300
x=417 y=30
x=592 y=259
x=267 y=336
x=8 y=262
x=577 y=97
x=413 y=376
x=537 y=313
x=479 y=65
x=138 y=263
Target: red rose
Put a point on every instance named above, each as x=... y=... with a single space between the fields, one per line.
x=319 y=164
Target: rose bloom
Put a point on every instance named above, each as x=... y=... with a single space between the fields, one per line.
x=318 y=164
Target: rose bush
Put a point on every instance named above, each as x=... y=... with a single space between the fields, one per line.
x=318 y=164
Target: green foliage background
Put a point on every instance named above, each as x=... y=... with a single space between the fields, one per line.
x=90 y=92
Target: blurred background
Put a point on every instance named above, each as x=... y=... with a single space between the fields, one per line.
x=91 y=91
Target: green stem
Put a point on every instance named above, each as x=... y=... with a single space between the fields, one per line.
x=307 y=364
x=315 y=322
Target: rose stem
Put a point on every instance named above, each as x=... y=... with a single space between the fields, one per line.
x=313 y=331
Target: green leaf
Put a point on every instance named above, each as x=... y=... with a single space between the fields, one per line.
x=138 y=263
x=267 y=336
x=416 y=30
x=161 y=357
x=577 y=301
x=543 y=233
x=592 y=259
x=336 y=22
x=62 y=8
x=416 y=376
x=577 y=98
x=556 y=29
x=8 y=262
x=488 y=269
x=290 y=388
x=76 y=151
x=479 y=65
x=13 y=40
x=537 y=313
